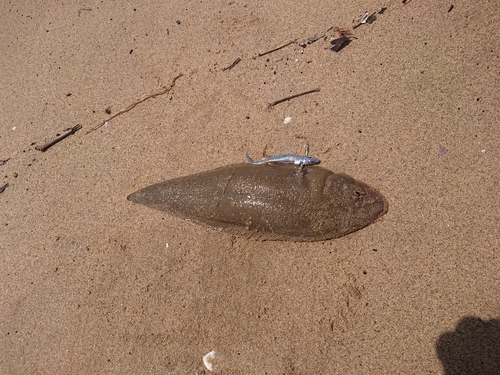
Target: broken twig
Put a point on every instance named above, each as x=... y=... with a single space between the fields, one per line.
x=83 y=10
x=291 y=97
x=3 y=187
x=232 y=65
x=162 y=92
x=52 y=142
x=313 y=39
x=275 y=49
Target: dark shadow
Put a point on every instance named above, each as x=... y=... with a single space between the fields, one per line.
x=473 y=348
x=339 y=44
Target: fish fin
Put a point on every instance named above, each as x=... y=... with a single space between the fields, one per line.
x=264 y=153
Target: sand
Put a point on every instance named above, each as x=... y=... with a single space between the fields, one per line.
x=93 y=283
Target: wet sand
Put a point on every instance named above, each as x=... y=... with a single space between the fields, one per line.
x=93 y=283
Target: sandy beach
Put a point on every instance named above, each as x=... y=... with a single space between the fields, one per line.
x=93 y=283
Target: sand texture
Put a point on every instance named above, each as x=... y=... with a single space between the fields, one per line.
x=93 y=283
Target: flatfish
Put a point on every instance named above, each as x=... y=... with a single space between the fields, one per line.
x=268 y=201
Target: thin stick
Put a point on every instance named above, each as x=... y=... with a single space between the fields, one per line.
x=83 y=9
x=291 y=97
x=275 y=49
x=52 y=142
x=162 y=92
x=232 y=65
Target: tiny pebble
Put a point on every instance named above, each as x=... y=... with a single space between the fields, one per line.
x=167 y=245
x=287 y=120
x=442 y=151
x=178 y=22
x=14 y=128
x=483 y=151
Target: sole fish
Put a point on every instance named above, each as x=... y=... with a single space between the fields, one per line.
x=268 y=201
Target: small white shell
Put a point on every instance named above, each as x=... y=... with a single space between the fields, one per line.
x=365 y=17
x=207 y=360
x=287 y=120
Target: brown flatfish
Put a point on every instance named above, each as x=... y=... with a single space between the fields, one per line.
x=269 y=201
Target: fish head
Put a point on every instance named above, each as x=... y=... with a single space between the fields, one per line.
x=353 y=203
x=306 y=160
x=312 y=161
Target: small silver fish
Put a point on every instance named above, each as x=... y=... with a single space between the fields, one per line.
x=286 y=159
x=300 y=160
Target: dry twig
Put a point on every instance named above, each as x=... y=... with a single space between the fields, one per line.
x=52 y=142
x=83 y=10
x=275 y=49
x=292 y=96
x=3 y=187
x=232 y=65
x=162 y=92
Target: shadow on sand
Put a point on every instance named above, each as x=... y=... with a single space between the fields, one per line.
x=473 y=348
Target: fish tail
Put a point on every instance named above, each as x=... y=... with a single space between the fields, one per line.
x=248 y=159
